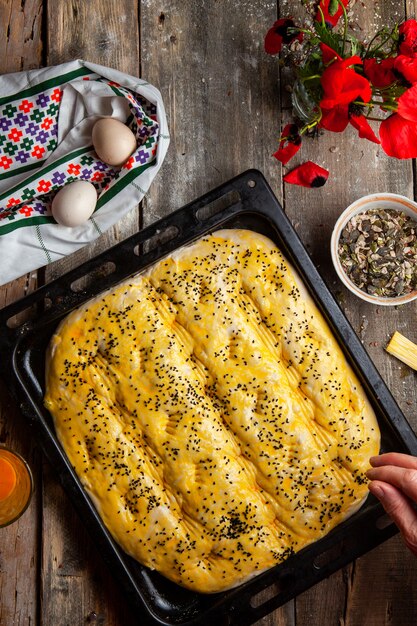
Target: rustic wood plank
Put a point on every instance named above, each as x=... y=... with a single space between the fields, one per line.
x=220 y=90
x=20 y=49
x=106 y=33
x=19 y=549
x=77 y=586
x=325 y=601
x=21 y=44
x=388 y=576
x=357 y=168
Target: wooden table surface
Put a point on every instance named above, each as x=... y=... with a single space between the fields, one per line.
x=226 y=102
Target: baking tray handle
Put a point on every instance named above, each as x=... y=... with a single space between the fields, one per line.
x=311 y=566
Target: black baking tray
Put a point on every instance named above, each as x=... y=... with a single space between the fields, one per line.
x=243 y=202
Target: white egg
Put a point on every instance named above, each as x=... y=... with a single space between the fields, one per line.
x=113 y=141
x=74 y=203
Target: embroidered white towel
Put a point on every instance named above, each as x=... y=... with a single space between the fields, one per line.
x=46 y=119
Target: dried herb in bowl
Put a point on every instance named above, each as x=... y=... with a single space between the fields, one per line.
x=378 y=252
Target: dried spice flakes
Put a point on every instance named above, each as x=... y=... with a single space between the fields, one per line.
x=378 y=252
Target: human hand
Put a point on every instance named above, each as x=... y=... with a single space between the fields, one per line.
x=394 y=483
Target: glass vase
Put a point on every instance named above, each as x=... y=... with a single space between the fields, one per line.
x=304 y=106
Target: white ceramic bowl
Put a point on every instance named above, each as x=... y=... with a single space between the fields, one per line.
x=366 y=203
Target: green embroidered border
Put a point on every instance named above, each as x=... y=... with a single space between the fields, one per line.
x=51 y=82
x=48 y=168
x=122 y=182
x=28 y=221
x=108 y=195
x=22 y=170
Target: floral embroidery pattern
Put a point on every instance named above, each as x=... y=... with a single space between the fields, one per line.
x=28 y=129
x=28 y=135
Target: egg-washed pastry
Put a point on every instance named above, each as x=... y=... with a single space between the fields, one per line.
x=210 y=414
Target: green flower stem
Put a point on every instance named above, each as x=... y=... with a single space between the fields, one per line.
x=374 y=103
x=345 y=26
x=296 y=29
x=370 y=43
x=312 y=124
x=310 y=77
x=323 y=21
x=388 y=89
x=360 y=103
x=391 y=93
x=384 y=41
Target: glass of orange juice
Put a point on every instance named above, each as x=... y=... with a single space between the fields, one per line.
x=16 y=486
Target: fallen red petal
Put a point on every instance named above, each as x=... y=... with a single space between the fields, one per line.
x=308 y=174
x=398 y=137
x=289 y=145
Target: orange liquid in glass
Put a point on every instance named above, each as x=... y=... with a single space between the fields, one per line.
x=15 y=486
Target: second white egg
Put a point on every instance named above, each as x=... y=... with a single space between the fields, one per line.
x=74 y=203
x=113 y=141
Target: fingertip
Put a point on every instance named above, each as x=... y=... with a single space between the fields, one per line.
x=397 y=459
x=377 y=489
x=375 y=461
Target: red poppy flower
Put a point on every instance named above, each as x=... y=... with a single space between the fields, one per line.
x=407 y=104
x=278 y=34
x=405 y=68
x=331 y=10
x=399 y=137
x=289 y=145
x=381 y=74
x=328 y=54
x=408 y=38
x=342 y=85
x=308 y=174
x=337 y=118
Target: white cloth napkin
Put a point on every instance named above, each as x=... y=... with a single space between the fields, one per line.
x=46 y=118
